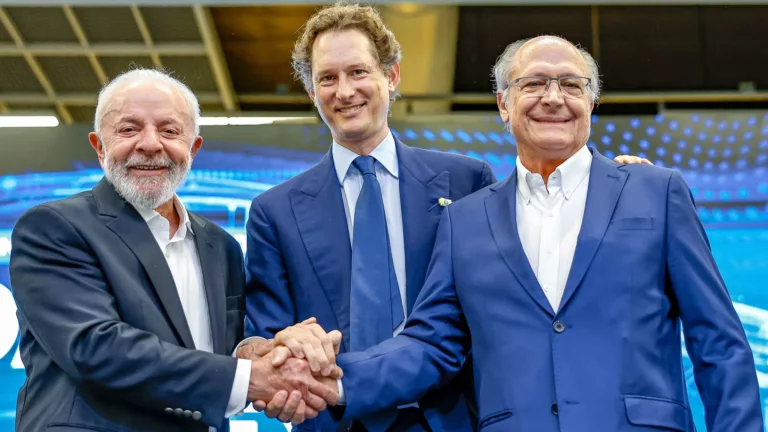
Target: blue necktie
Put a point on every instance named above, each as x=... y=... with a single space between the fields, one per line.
x=376 y=309
x=375 y=306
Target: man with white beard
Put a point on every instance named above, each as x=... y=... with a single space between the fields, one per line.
x=129 y=306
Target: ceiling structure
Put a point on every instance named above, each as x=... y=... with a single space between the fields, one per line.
x=236 y=59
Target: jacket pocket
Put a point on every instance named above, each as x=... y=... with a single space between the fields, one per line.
x=73 y=427
x=650 y=411
x=494 y=418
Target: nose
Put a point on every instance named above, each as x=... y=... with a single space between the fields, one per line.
x=552 y=96
x=345 y=89
x=149 y=142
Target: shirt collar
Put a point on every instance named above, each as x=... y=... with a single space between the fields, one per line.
x=385 y=153
x=572 y=172
x=185 y=225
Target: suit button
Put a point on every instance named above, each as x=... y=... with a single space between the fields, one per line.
x=178 y=411
x=169 y=410
x=558 y=326
x=197 y=415
x=187 y=413
x=554 y=409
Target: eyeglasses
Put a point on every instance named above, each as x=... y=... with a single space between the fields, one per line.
x=570 y=86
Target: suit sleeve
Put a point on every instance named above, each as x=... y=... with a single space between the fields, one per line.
x=724 y=368
x=269 y=301
x=425 y=355
x=65 y=302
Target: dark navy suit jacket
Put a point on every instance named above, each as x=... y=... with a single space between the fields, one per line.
x=610 y=358
x=104 y=339
x=299 y=258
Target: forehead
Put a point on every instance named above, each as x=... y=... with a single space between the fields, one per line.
x=154 y=98
x=549 y=57
x=337 y=49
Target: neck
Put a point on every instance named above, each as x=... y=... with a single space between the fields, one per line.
x=365 y=146
x=540 y=163
x=168 y=211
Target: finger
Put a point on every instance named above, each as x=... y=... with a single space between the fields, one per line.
x=259 y=405
x=263 y=348
x=275 y=406
x=646 y=161
x=336 y=372
x=315 y=402
x=280 y=355
x=335 y=340
x=319 y=389
x=310 y=320
x=295 y=347
x=324 y=344
x=314 y=358
x=300 y=414
x=310 y=413
x=290 y=407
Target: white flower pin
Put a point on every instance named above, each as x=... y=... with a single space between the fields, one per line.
x=444 y=202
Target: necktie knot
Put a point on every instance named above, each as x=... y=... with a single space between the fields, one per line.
x=364 y=164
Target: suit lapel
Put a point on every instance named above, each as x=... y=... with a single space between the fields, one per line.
x=215 y=291
x=319 y=211
x=420 y=190
x=133 y=230
x=605 y=186
x=501 y=211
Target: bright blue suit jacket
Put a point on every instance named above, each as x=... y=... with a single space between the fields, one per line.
x=610 y=359
x=298 y=263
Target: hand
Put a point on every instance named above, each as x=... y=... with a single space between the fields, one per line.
x=288 y=408
x=627 y=159
x=293 y=393
x=308 y=340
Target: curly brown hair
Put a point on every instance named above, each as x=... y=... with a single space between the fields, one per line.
x=340 y=17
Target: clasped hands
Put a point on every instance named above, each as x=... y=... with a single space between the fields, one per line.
x=294 y=376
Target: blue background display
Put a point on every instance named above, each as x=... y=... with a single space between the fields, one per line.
x=722 y=156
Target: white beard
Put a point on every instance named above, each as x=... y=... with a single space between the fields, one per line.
x=145 y=192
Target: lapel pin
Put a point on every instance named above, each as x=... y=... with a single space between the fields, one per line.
x=444 y=202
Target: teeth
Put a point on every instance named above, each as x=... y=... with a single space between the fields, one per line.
x=147 y=168
x=350 y=109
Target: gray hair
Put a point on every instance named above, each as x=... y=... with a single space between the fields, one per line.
x=505 y=64
x=105 y=96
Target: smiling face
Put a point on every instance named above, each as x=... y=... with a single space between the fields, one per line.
x=552 y=126
x=147 y=142
x=350 y=89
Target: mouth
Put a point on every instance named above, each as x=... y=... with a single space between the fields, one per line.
x=147 y=169
x=551 y=120
x=350 y=109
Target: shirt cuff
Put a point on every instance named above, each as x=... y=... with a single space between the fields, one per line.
x=239 y=394
x=342 y=396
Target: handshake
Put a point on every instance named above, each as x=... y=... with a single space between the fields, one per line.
x=294 y=376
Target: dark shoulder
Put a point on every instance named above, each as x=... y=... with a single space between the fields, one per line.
x=75 y=207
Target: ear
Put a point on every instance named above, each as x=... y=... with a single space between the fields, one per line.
x=196 y=144
x=394 y=77
x=97 y=145
x=502 y=108
x=311 y=94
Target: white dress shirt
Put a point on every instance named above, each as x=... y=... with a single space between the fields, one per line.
x=549 y=220
x=180 y=253
x=387 y=171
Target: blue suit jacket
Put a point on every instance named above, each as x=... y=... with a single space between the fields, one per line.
x=298 y=263
x=104 y=339
x=610 y=359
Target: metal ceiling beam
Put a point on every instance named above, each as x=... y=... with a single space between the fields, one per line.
x=102 y=49
x=10 y=27
x=80 y=34
x=144 y=30
x=80 y=99
x=216 y=57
